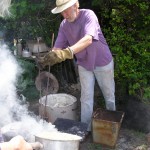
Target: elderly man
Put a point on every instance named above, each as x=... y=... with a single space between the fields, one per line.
x=80 y=34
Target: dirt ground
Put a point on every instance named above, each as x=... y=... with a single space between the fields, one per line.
x=127 y=139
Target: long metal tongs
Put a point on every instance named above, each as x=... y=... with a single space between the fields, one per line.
x=43 y=116
x=47 y=88
x=38 y=40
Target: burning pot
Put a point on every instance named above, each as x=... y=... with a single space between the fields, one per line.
x=58 y=141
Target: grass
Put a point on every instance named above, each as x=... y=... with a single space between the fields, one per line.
x=92 y=146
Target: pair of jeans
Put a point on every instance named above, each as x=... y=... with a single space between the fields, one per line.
x=105 y=79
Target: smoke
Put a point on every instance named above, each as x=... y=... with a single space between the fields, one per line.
x=13 y=115
x=9 y=72
x=4 y=8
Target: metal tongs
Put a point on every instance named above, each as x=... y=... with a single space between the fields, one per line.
x=44 y=116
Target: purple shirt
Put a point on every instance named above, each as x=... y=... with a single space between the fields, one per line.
x=98 y=53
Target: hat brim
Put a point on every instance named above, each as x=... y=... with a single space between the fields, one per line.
x=61 y=8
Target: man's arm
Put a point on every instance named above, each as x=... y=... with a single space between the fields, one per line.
x=58 y=55
x=80 y=45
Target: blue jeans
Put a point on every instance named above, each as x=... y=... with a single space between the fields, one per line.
x=105 y=78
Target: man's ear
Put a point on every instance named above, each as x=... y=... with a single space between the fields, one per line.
x=76 y=5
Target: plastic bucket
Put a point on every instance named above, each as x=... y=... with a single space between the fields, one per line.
x=58 y=106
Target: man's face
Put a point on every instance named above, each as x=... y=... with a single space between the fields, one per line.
x=70 y=14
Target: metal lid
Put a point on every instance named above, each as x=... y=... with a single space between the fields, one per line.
x=42 y=81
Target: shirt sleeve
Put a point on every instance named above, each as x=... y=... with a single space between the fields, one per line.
x=92 y=26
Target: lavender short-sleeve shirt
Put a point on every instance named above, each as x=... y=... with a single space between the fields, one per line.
x=98 y=53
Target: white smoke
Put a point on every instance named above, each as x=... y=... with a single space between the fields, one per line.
x=13 y=115
x=9 y=72
x=4 y=7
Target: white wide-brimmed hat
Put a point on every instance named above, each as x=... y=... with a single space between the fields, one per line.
x=61 y=5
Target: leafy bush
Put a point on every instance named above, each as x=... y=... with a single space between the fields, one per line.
x=26 y=82
x=31 y=19
x=126 y=26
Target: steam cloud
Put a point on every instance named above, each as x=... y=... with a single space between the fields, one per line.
x=13 y=115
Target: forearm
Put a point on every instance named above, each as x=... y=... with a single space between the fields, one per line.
x=81 y=44
x=58 y=55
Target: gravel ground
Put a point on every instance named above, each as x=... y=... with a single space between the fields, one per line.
x=127 y=139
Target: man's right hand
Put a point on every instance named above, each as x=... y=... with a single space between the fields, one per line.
x=54 y=57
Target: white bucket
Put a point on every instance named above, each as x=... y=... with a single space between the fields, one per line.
x=58 y=106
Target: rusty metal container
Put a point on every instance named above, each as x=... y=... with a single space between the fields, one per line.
x=106 y=126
